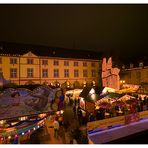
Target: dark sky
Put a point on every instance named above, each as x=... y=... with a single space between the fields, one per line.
x=110 y=28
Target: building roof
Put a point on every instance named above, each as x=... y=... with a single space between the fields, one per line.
x=20 y=49
x=85 y=93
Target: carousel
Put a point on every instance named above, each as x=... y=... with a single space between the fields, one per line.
x=23 y=111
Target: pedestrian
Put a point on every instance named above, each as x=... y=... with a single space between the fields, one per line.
x=62 y=134
x=56 y=127
x=75 y=102
x=91 y=117
x=79 y=116
x=74 y=110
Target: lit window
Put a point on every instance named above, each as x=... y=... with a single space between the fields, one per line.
x=0 y=60
x=76 y=73
x=55 y=63
x=30 y=72
x=56 y=73
x=130 y=75
x=131 y=65
x=93 y=64
x=75 y=63
x=13 y=61
x=138 y=75
x=84 y=64
x=66 y=72
x=44 y=73
x=93 y=73
x=29 y=61
x=66 y=63
x=44 y=62
x=141 y=64
x=84 y=73
x=13 y=72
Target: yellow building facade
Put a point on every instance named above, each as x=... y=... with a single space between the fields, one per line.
x=137 y=76
x=30 y=68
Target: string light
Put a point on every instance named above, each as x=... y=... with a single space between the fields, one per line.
x=2 y=139
x=28 y=131
x=9 y=137
x=22 y=133
x=38 y=126
x=34 y=128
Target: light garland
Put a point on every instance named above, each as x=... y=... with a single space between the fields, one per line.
x=23 y=131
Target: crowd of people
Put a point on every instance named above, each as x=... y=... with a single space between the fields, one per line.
x=71 y=128
x=82 y=117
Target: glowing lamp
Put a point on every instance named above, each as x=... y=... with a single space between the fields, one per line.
x=62 y=111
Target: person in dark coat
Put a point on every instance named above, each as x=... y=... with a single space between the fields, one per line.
x=91 y=117
x=79 y=116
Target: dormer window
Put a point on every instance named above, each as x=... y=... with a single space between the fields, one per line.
x=123 y=66
x=131 y=65
x=141 y=64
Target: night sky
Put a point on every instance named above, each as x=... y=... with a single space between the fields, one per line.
x=120 y=29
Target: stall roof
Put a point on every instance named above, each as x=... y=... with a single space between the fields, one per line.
x=86 y=90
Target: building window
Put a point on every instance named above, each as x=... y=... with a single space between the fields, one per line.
x=84 y=73
x=75 y=63
x=76 y=73
x=56 y=73
x=29 y=61
x=55 y=63
x=66 y=63
x=13 y=61
x=138 y=75
x=93 y=64
x=66 y=72
x=84 y=64
x=0 y=60
x=131 y=65
x=44 y=73
x=141 y=64
x=130 y=75
x=30 y=72
x=93 y=72
x=13 y=72
x=44 y=62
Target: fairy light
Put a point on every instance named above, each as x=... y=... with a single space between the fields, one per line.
x=22 y=133
x=28 y=131
x=34 y=128
x=38 y=126
x=9 y=137
x=2 y=139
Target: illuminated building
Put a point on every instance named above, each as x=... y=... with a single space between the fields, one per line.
x=27 y=64
x=136 y=75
